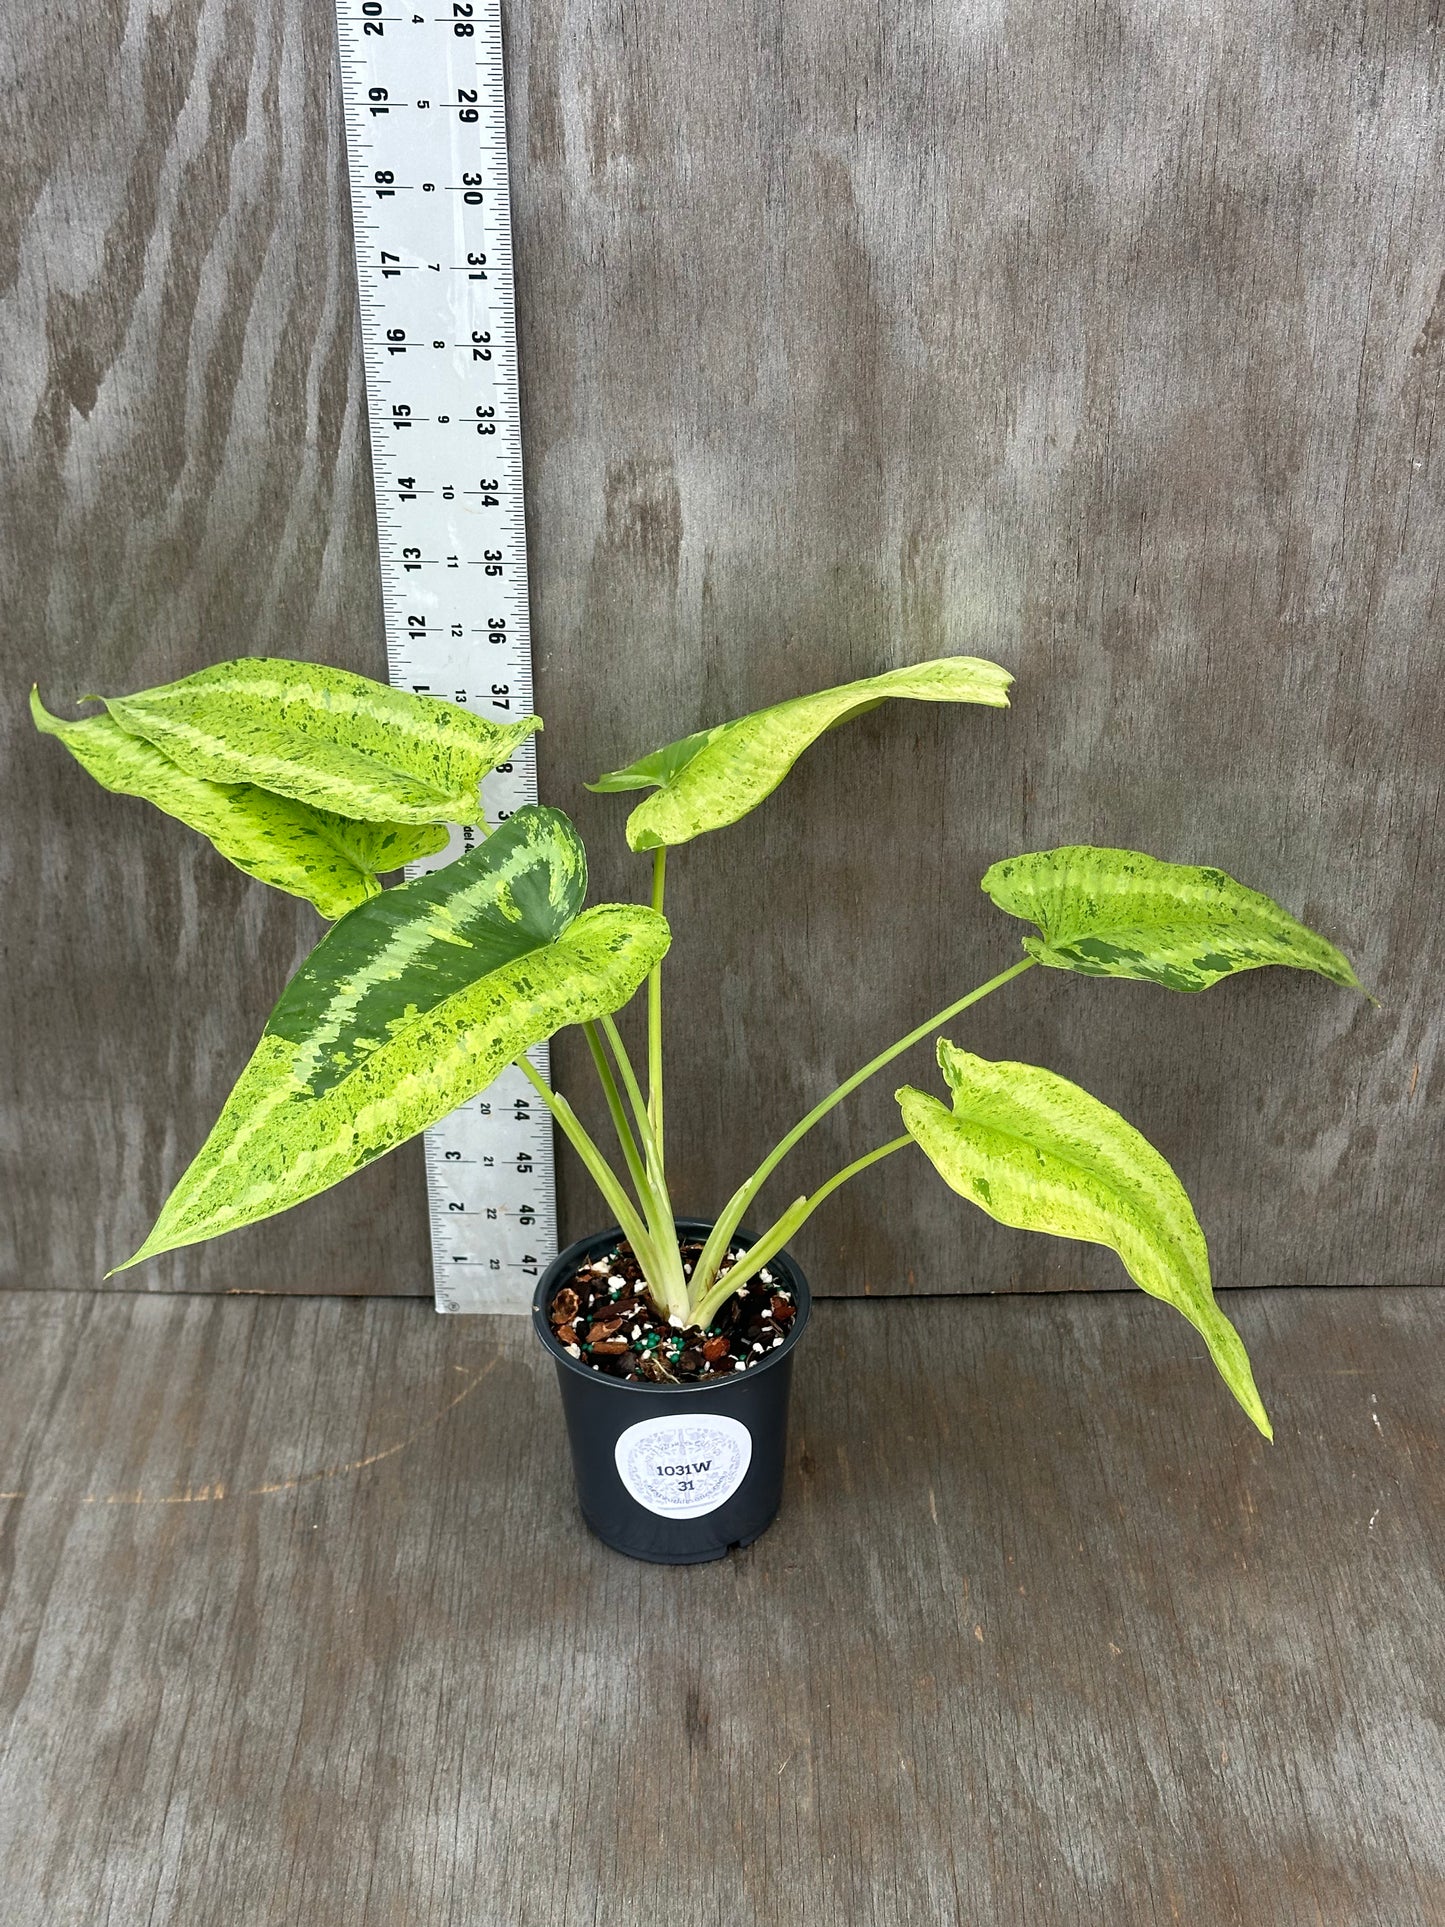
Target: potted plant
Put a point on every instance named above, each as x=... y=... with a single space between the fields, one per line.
x=672 y=1340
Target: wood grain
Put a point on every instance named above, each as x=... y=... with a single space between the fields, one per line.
x=1107 y=341
x=186 y=478
x=298 y=1623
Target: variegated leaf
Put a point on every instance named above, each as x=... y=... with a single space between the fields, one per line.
x=378 y=848
x=410 y=1006
x=1120 y=913
x=408 y=950
x=306 y=852
x=716 y=776
x=1037 y=1152
x=326 y=737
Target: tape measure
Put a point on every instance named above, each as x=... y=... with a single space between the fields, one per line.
x=426 y=138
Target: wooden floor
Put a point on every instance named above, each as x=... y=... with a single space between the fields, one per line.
x=298 y=1625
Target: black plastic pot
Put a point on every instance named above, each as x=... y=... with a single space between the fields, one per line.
x=675 y=1473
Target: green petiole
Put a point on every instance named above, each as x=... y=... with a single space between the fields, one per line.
x=654 y=1018
x=751 y=1261
x=722 y=1233
x=697 y=1301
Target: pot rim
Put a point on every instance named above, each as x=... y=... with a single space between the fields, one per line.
x=567 y=1261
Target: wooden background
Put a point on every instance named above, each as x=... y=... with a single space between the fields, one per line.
x=1103 y=340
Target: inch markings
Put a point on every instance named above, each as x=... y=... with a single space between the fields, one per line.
x=426 y=138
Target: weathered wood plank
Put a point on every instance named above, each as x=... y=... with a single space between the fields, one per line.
x=1107 y=341
x=297 y=1623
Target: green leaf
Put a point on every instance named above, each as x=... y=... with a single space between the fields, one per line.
x=326 y=737
x=307 y=852
x=409 y=949
x=1037 y=1152
x=410 y=1006
x=716 y=776
x=377 y=848
x=1119 y=913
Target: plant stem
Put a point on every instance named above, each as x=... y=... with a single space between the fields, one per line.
x=625 y=1139
x=877 y=1063
x=665 y=1273
x=632 y=1087
x=852 y=1170
x=599 y=1170
x=728 y=1223
x=772 y=1241
x=654 y=1016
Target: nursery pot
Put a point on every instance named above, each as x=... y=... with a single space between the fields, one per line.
x=675 y=1473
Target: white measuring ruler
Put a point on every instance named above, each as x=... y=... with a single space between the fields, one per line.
x=426 y=138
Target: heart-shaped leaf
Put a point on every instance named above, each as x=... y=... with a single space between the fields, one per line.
x=1119 y=913
x=326 y=737
x=716 y=776
x=410 y=1006
x=1037 y=1152
x=411 y=948
x=307 y=852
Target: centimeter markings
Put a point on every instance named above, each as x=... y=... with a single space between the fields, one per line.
x=426 y=138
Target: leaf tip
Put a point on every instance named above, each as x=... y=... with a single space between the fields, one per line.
x=1365 y=991
x=909 y=1099
x=48 y=723
x=1253 y=1405
x=150 y=1247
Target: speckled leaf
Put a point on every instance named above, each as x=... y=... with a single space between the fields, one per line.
x=326 y=737
x=304 y=851
x=716 y=776
x=381 y=847
x=1119 y=913
x=1037 y=1152
x=411 y=948
x=396 y=1020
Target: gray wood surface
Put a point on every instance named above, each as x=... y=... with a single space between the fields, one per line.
x=1107 y=341
x=298 y=1624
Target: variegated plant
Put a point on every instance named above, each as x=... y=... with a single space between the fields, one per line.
x=320 y=782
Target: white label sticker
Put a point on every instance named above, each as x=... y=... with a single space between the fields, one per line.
x=683 y=1467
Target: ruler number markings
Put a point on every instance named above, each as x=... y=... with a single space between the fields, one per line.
x=427 y=153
